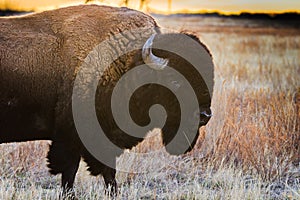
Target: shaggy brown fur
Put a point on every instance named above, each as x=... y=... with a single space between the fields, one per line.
x=39 y=57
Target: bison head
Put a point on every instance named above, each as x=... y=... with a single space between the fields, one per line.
x=176 y=51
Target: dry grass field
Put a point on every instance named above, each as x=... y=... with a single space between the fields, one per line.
x=249 y=150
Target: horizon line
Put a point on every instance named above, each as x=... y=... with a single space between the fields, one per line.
x=162 y=12
x=220 y=12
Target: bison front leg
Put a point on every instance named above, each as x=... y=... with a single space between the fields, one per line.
x=68 y=176
x=108 y=173
x=65 y=160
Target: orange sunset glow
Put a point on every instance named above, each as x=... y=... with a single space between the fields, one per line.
x=167 y=6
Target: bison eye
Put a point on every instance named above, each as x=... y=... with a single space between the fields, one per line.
x=205 y=93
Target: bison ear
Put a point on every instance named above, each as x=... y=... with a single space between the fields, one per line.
x=150 y=59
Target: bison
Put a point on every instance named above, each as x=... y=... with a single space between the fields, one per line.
x=40 y=56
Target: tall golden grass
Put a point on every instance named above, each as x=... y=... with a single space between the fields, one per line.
x=255 y=98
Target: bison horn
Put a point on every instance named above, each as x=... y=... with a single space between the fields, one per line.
x=150 y=59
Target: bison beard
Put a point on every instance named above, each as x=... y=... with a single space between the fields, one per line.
x=38 y=61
